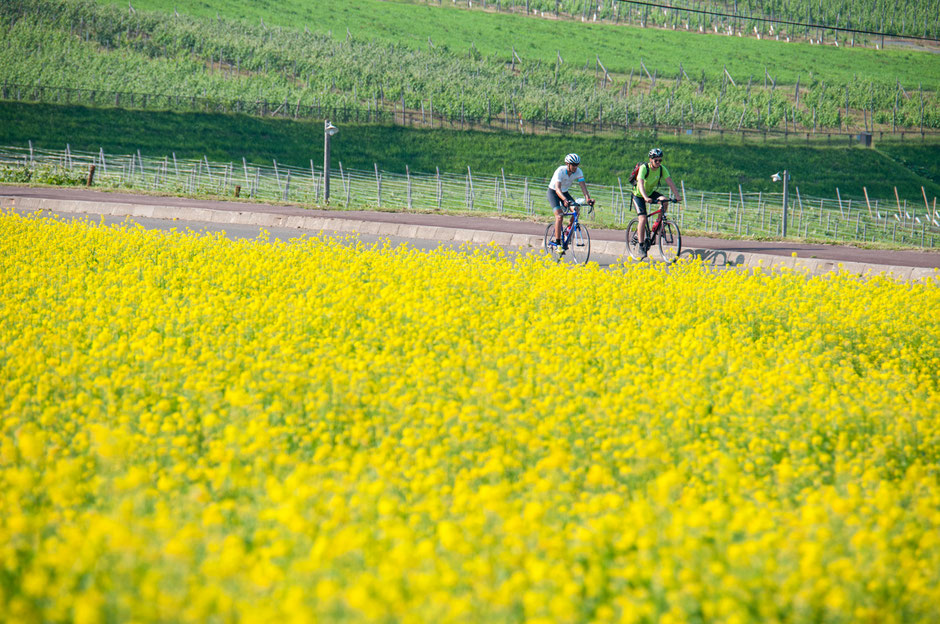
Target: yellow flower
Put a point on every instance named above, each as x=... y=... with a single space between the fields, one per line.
x=323 y=430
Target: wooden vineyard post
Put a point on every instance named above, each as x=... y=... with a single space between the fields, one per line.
x=408 y=175
x=681 y=209
x=469 y=188
x=342 y=178
x=623 y=205
x=525 y=195
x=315 y=182
x=618 y=207
x=439 y=190
x=378 y=184
x=496 y=196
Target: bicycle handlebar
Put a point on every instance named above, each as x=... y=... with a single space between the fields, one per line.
x=569 y=209
x=671 y=200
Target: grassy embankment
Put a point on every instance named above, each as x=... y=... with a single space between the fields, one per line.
x=707 y=165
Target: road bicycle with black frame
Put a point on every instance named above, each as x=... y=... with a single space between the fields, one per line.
x=575 y=238
x=664 y=233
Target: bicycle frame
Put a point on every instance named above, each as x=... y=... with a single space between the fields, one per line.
x=661 y=216
x=652 y=232
x=568 y=232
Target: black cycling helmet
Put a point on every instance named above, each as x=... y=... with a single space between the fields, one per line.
x=656 y=153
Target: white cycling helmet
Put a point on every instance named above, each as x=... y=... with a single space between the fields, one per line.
x=572 y=159
x=656 y=153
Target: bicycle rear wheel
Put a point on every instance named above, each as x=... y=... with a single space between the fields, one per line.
x=633 y=239
x=580 y=244
x=549 y=243
x=670 y=242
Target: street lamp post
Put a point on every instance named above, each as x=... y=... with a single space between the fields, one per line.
x=785 y=178
x=328 y=131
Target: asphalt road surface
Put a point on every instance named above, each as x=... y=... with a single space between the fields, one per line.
x=837 y=253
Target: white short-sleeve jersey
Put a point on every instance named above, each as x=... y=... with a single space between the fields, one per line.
x=565 y=179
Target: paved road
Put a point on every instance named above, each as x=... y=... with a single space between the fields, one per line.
x=235 y=231
x=718 y=251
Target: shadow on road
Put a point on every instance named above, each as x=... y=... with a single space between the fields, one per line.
x=714 y=257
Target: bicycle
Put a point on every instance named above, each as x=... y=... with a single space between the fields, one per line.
x=664 y=232
x=574 y=235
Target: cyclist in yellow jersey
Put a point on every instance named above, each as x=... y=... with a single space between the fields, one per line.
x=648 y=179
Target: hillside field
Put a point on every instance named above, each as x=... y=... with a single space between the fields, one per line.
x=237 y=61
x=620 y=48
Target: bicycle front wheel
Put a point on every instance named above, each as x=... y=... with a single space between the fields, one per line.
x=670 y=242
x=549 y=243
x=633 y=239
x=580 y=244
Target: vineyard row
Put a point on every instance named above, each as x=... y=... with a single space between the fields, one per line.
x=384 y=112
x=813 y=19
x=228 y=61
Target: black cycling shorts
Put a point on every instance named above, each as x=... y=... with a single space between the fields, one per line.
x=554 y=202
x=639 y=204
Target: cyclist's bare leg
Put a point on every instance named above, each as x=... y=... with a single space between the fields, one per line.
x=641 y=228
x=559 y=218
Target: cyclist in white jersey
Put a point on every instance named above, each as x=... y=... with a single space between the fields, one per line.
x=559 y=198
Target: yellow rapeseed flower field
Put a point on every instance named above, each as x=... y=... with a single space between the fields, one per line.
x=202 y=430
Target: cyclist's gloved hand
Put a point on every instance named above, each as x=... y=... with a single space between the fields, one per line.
x=567 y=203
x=591 y=201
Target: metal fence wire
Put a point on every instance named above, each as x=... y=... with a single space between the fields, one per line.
x=747 y=214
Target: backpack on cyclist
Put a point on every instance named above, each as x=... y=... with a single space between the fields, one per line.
x=636 y=173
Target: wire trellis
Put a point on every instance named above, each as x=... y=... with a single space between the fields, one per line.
x=746 y=214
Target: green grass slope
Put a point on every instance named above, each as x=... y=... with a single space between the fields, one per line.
x=619 y=47
x=708 y=165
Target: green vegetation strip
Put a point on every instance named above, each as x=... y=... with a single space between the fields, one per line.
x=704 y=164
